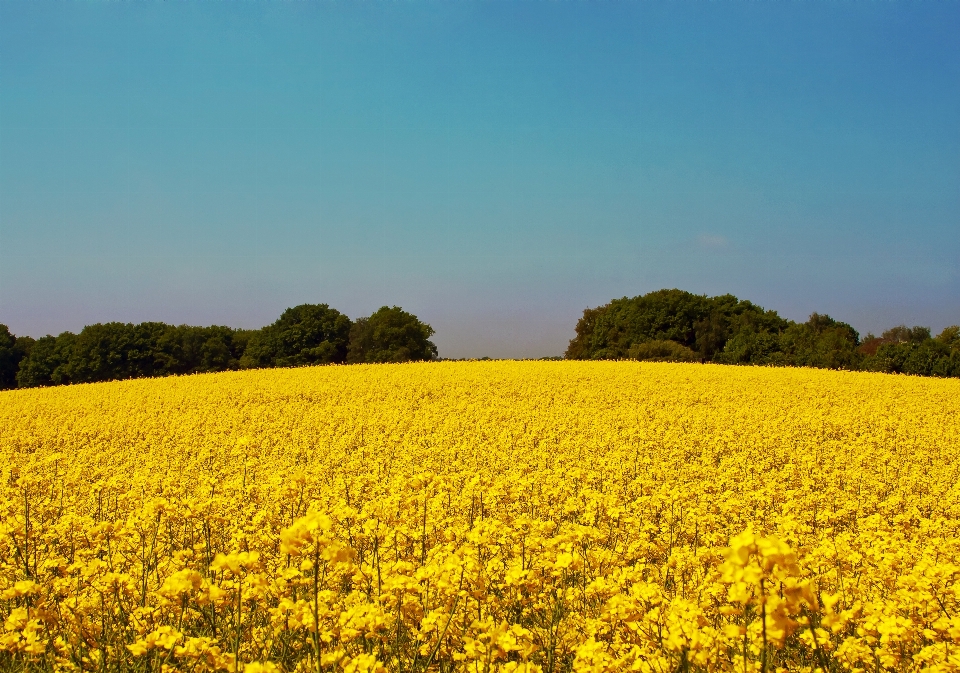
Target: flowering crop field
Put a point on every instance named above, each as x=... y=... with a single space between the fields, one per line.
x=486 y=516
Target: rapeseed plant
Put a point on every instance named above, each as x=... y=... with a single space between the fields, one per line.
x=501 y=516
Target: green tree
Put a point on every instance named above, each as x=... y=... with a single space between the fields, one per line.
x=47 y=362
x=911 y=350
x=309 y=334
x=754 y=347
x=925 y=358
x=13 y=350
x=728 y=317
x=202 y=349
x=902 y=334
x=662 y=351
x=390 y=335
x=240 y=340
x=700 y=323
x=821 y=342
x=950 y=337
x=111 y=351
x=581 y=346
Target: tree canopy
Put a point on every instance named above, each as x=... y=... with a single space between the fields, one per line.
x=12 y=351
x=110 y=351
x=666 y=325
x=700 y=323
x=681 y=326
x=308 y=334
x=390 y=335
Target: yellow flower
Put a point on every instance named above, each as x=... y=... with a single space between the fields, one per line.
x=181 y=582
x=506 y=516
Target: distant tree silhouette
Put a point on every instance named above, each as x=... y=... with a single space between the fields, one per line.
x=13 y=350
x=700 y=323
x=391 y=335
x=666 y=325
x=309 y=334
x=47 y=362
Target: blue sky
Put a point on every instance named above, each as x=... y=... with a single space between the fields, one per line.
x=493 y=167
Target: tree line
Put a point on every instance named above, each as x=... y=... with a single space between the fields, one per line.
x=673 y=325
x=666 y=325
x=310 y=334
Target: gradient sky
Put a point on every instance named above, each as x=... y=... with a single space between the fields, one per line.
x=493 y=167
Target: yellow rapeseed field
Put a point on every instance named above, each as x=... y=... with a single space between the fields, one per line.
x=488 y=516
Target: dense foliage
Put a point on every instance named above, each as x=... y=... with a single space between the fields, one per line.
x=680 y=326
x=390 y=335
x=304 y=335
x=12 y=351
x=699 y=323
x=511 y=517
x=666 y=325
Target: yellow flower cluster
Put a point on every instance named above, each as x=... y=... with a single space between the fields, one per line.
x=494 y=516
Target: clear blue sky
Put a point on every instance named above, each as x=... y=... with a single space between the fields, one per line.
x=493 y=167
